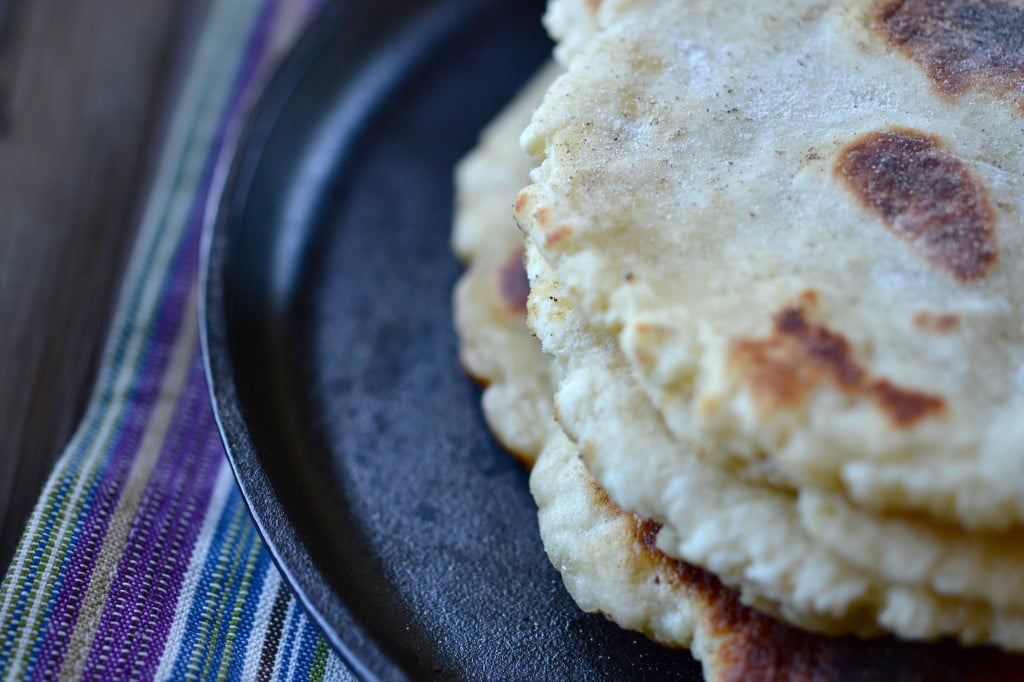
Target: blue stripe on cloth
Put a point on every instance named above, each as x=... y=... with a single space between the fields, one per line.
x=220 y=583
x=310 y=635
x=284 y=656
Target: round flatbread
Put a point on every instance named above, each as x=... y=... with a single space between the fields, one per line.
x=610 y=563
x=608 y=558
x=803 y=221
x=749 y=534
x=489 y=301
x=571 y=23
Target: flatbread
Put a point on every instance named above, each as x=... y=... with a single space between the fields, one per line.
x=749 y=534
x=610 y=563
x=571 y=23
x=802 y=221
x=597 y=549
x=907 y=550
x=609 y=559
x=489 y=301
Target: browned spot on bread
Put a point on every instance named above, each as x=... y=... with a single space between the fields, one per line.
x=828 y=351
x=960 y=44
x=514 y=284
x=800 y=357
x=593 y=6
x=542 y=217
x=522 y=199
x=943 y=323
x=645 y=328
x=697 y=582
x=525 y=459
x=601 y=497
x=809 y=298
x=754 y=646
x=757 y=647
x=647 y=534
x=925 y=195
x=905 y=408
x=556 y=235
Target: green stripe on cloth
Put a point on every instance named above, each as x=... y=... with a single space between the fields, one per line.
x=140 y=560
x=318 y=666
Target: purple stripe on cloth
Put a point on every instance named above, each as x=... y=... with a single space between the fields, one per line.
x=140 y=608
x=143 y=397
x=77 y=572
x=311 y=8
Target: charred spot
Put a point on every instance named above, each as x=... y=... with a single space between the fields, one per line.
x=904 y=407
x=801 y=356
x=696 y=580
x=796 y=358
x=758 y=647
x=556 y=235
x=943 y=323
x=601 y=497
x=960 y=45
x=522 y=199
x=647 y=534
x=755 y=646
x=809 y=299
x=925 y=195
x=826 y=349
x=525 y=459
x=542 y=216
x=514 y=284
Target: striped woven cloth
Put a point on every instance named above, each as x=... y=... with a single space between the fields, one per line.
x=140 y=560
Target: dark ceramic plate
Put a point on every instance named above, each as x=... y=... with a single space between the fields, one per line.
x=357 y=439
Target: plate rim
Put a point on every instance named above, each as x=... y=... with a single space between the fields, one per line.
x=241 y=154
x=345 y=625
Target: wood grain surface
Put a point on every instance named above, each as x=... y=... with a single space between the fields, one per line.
x=85 y=90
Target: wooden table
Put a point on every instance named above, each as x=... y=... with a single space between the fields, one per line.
x=85 y=92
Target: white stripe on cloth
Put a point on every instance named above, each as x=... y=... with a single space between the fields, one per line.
x=271 y=584
x=223 y=487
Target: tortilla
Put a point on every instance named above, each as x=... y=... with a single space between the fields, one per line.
x=571 y=23
x=610 y=563
x=489 y=300
x=609 y=558
x=749 y=534
x=802 y=222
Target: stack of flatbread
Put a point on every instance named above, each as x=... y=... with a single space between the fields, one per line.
x=774 y=262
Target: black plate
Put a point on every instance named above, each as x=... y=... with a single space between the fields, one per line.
x=357 y=439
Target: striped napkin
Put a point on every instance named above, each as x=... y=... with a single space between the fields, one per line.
x=140 y=560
